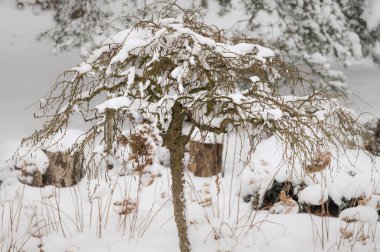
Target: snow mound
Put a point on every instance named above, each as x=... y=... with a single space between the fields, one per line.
x=34 y=161
x=361 y=214
x=97 y=189
x=313 y=195
x=283 y=208
x=351 y=174
x=63 y=141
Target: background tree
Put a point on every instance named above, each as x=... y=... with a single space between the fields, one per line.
x=360 y=21
x=182 y=74
x=315 y=34
x=309 y=33
x=312 y=33
x=85 y=24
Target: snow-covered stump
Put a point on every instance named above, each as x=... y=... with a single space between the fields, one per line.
x=65 y=169
x=373 y=142
x=54 y=163
x=205 y=158
x=33 y=178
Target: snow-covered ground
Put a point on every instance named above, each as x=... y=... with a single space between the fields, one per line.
x=27 y=69
x=135 y=212
x=87 y=217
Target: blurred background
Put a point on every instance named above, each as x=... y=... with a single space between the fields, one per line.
x=29 y=63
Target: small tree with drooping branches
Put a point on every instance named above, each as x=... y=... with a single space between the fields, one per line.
x=186 y=78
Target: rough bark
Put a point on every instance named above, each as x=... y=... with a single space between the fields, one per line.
x=175 y=142
x=64 y=169
x=372 y=144
x=205 y=159
x=109 y=134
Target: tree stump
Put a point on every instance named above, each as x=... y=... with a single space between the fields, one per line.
x=64 y=170
x=205 y=158
x=372 y=143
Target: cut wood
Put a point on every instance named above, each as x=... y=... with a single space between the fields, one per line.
x=205 y=158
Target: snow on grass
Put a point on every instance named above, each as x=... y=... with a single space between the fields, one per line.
x=363 y=214
x=118 y=213
x=350 y=175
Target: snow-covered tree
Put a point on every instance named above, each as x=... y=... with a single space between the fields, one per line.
x=185 y=78
x=313 y=33
x=87 y=23
x=82 y=24
x=363 y=19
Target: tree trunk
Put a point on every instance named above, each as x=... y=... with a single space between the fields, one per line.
x=205 y=159
x=175 y=142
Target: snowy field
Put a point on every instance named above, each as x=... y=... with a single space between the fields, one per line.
x=88 y=217
x=27 y=69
